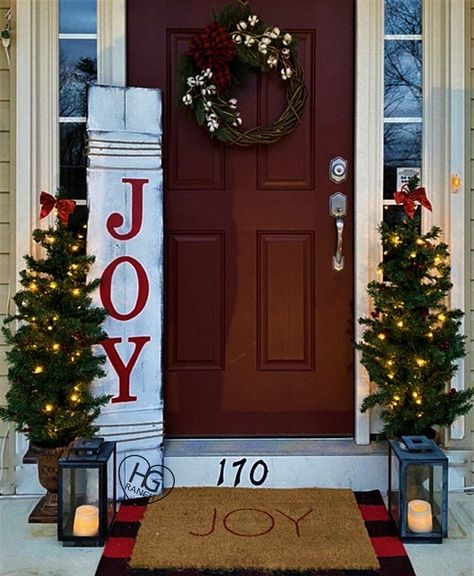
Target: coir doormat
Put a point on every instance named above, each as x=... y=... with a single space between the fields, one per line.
x=390 y=553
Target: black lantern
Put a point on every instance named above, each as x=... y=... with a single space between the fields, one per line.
x=86 y=492
x=418 y=489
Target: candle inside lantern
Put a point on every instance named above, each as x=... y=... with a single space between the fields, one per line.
x=419 y=516
x=86 y=521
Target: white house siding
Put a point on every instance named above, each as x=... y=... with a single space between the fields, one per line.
x=5 y=237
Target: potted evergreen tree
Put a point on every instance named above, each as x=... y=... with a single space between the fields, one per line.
x=51 y=360
x=411 y=340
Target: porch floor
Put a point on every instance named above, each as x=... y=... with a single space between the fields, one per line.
x=33 y=550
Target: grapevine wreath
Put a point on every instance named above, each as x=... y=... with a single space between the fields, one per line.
x=235 y=42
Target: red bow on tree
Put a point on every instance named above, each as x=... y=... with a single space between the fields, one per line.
x=213 y=48
x=408 y=198
x=64 y=207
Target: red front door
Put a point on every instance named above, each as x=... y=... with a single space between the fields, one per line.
x=259 y=327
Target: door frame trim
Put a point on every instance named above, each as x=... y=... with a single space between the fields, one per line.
x=368 y=179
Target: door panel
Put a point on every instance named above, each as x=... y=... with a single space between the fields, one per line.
x=195 y=342
x=259 y=327
x=285 y=298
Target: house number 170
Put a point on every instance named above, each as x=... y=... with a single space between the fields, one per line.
x=257 y=475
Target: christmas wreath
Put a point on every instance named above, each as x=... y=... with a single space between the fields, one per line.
x=235 y=42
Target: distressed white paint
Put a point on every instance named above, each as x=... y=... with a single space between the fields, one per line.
x=124 y=132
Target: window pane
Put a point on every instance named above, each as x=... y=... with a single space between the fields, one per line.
x=78 y=220
x=394 y=215
x=73 y=159
x=403 y=16
x=403 y=69
x=402 y=149
x=77 y=71
x=77 y=16
x=73 y=180
x=73 y=143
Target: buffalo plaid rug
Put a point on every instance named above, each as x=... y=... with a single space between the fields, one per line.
x=388 y=547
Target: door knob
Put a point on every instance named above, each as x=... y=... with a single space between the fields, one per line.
x=338 y=209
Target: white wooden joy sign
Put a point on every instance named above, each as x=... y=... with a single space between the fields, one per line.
x=125 y=233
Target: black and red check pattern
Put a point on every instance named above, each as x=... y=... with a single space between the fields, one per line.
x=388 y=547
x=383 y=534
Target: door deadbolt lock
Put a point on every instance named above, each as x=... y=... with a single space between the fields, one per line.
x=338 y=169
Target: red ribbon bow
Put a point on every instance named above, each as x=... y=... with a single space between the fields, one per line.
x=213 y=48
x=64 y=207
x=408 y=199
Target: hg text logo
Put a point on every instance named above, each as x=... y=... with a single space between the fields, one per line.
x=139 y=479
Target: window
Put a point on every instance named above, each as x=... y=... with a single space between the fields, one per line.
x=403 y=110
x=77 y=71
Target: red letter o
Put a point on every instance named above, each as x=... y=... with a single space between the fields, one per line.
x=106 y=288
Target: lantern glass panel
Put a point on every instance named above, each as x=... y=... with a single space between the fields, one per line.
x=394 y=496
x=110 y=493
x=425 y=483
x=80 y=487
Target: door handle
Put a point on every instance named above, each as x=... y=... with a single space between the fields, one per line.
x=338 y=209
x=338 y=258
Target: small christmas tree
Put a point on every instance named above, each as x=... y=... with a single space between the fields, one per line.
x=412 y=340
x=51 y=360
